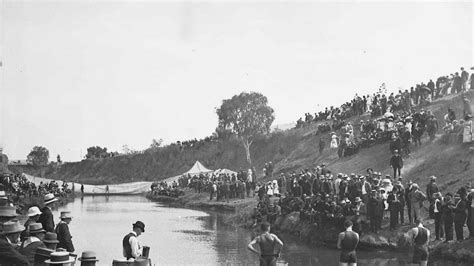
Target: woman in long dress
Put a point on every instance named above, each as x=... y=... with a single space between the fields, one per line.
x=334 y=143
x=467 y=134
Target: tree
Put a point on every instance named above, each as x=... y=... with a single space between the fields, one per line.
x=96 y=152
x=39 y=156
x=247 y=115
x=156 y=143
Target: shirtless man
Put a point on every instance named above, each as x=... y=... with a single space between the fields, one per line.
x=347 y=241
x=270 y=246
x=420 y=237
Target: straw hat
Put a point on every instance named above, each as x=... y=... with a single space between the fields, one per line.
x=33 y=211
x=88 y=256
x=8 y=211
x=36 y=228
x=51 y=238
x=3 y=195
x=49 y=198
x=357 y=199
x=65 y=215
x=59 y=258
x=12 y=227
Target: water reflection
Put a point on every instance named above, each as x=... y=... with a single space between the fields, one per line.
x=183 y=236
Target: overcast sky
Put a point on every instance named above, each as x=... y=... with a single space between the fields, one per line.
x=80 y=73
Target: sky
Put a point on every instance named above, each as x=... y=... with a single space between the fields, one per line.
x=76 y=74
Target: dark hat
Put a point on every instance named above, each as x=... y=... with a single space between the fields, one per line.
x=36 y=228
x=140 y=225
x=88 y=256
x=51 y=238
x=12 y=227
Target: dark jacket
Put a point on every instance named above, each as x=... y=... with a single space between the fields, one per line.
x=64 y=237
x=30 y=250
x=46 y=219
x=9 y=255
x=396 y=161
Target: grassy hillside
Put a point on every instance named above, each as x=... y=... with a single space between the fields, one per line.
x=289 y=150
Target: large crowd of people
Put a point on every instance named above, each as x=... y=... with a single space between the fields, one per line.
x=325 y=199
x=381 y=102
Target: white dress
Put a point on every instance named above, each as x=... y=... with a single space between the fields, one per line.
x=275 y=188
x=334 y=144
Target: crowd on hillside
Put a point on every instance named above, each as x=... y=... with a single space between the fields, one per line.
x=324 y=200
x=381 y=102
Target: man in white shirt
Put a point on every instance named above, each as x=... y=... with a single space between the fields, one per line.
x=131 y=246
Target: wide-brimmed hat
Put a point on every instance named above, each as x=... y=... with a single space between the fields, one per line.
x=140 y=225
x=432 y=177
x=59 y=258
x=49 y=198
x=357 y=199
x=65 y=215
x=44 y=252
x=8 y=211
x=3 y=195
x=12 y=227
x=36 y=228
x=88 y=256
x=33 y=211
x=51 y=238
x=415 y=185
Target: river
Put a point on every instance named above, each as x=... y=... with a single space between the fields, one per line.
x=184 y=236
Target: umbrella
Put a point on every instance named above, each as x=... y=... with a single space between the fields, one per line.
x=425 y=89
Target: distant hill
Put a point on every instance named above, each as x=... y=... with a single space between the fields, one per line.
x=289 y=150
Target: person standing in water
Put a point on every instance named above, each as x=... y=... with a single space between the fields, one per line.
x=347 y=241
x=270 y=246
x=420 y=237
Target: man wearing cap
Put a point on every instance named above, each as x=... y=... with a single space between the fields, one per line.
x=396 y=162
x=46 y=217
x=131 y=246
x=9 y=238
x=33 y=216
x=62 y=230
x=33 y=242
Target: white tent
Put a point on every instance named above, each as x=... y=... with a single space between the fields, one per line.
x=197 y=169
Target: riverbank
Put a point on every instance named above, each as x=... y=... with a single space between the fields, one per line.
x=393 y=240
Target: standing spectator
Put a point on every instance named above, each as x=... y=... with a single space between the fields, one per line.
x=470 y=213
x=432 y=126
x=460 y=216
x=448 y=217
x=396 y=162
x=431 y=188
x=464 y=78
x=46 y=217
x=408 y=201
x=393 y=207
x=321 y=145
x=457 y=84
x=62 y=231
x=33 y=242
x=438 y=198
x=416 y=198
x=8 y=240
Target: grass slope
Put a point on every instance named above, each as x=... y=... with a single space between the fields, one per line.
x=293 y=149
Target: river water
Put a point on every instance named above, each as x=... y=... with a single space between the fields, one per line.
x=183 y=236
